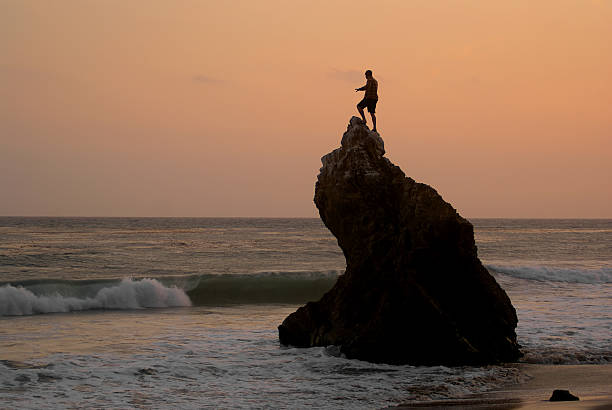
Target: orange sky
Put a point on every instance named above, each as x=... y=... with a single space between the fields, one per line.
x=224 y=108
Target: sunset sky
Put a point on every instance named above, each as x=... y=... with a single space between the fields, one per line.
x=224 y=108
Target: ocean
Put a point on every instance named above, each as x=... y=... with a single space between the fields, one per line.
x=183 y=312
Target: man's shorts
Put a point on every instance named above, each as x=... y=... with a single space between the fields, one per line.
x=368 y=102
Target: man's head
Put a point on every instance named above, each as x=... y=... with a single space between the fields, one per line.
x=368 y=73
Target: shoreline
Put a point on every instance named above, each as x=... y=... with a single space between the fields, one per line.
x=592 y=383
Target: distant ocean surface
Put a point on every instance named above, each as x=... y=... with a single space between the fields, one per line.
x=182 y=312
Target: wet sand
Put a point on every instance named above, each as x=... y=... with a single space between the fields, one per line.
x=591 y=383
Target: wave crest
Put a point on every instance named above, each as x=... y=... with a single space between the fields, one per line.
x=57 y=295
x=128 y=294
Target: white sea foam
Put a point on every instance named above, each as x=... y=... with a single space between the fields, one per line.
x=128 y=294
x=231 y=358
x=555 y=274
x=567 y=355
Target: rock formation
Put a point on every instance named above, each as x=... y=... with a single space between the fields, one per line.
x=414 y=290
x=563 y=395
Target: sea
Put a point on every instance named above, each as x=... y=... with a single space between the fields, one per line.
x=183 y=312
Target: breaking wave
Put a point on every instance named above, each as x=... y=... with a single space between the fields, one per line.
x=550 y=274
x=127 y=294
x=54 y=296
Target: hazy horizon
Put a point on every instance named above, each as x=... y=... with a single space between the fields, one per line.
x=224 y=109
x=267 y=217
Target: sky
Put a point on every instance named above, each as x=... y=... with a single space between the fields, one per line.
x=224 y=108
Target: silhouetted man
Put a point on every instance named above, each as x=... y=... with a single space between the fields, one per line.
x=369 y=99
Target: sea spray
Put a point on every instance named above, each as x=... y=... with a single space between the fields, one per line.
x=128 y=294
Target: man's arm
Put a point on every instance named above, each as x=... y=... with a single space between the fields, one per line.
x=361 y=88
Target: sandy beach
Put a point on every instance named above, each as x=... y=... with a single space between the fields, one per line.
x=591 y=383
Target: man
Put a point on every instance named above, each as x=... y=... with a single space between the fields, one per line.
x=369 y=99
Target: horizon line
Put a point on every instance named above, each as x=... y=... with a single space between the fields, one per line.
x=275 y=217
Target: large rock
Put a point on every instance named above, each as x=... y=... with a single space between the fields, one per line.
x=414 y=290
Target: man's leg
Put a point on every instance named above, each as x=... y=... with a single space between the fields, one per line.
x=361 y=113
x=373 y=121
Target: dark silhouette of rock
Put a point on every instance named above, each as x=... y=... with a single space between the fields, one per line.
x=414 y=290
x=562 y=395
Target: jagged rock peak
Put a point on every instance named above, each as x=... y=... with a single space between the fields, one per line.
x=360 y=145
x=358 y=134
